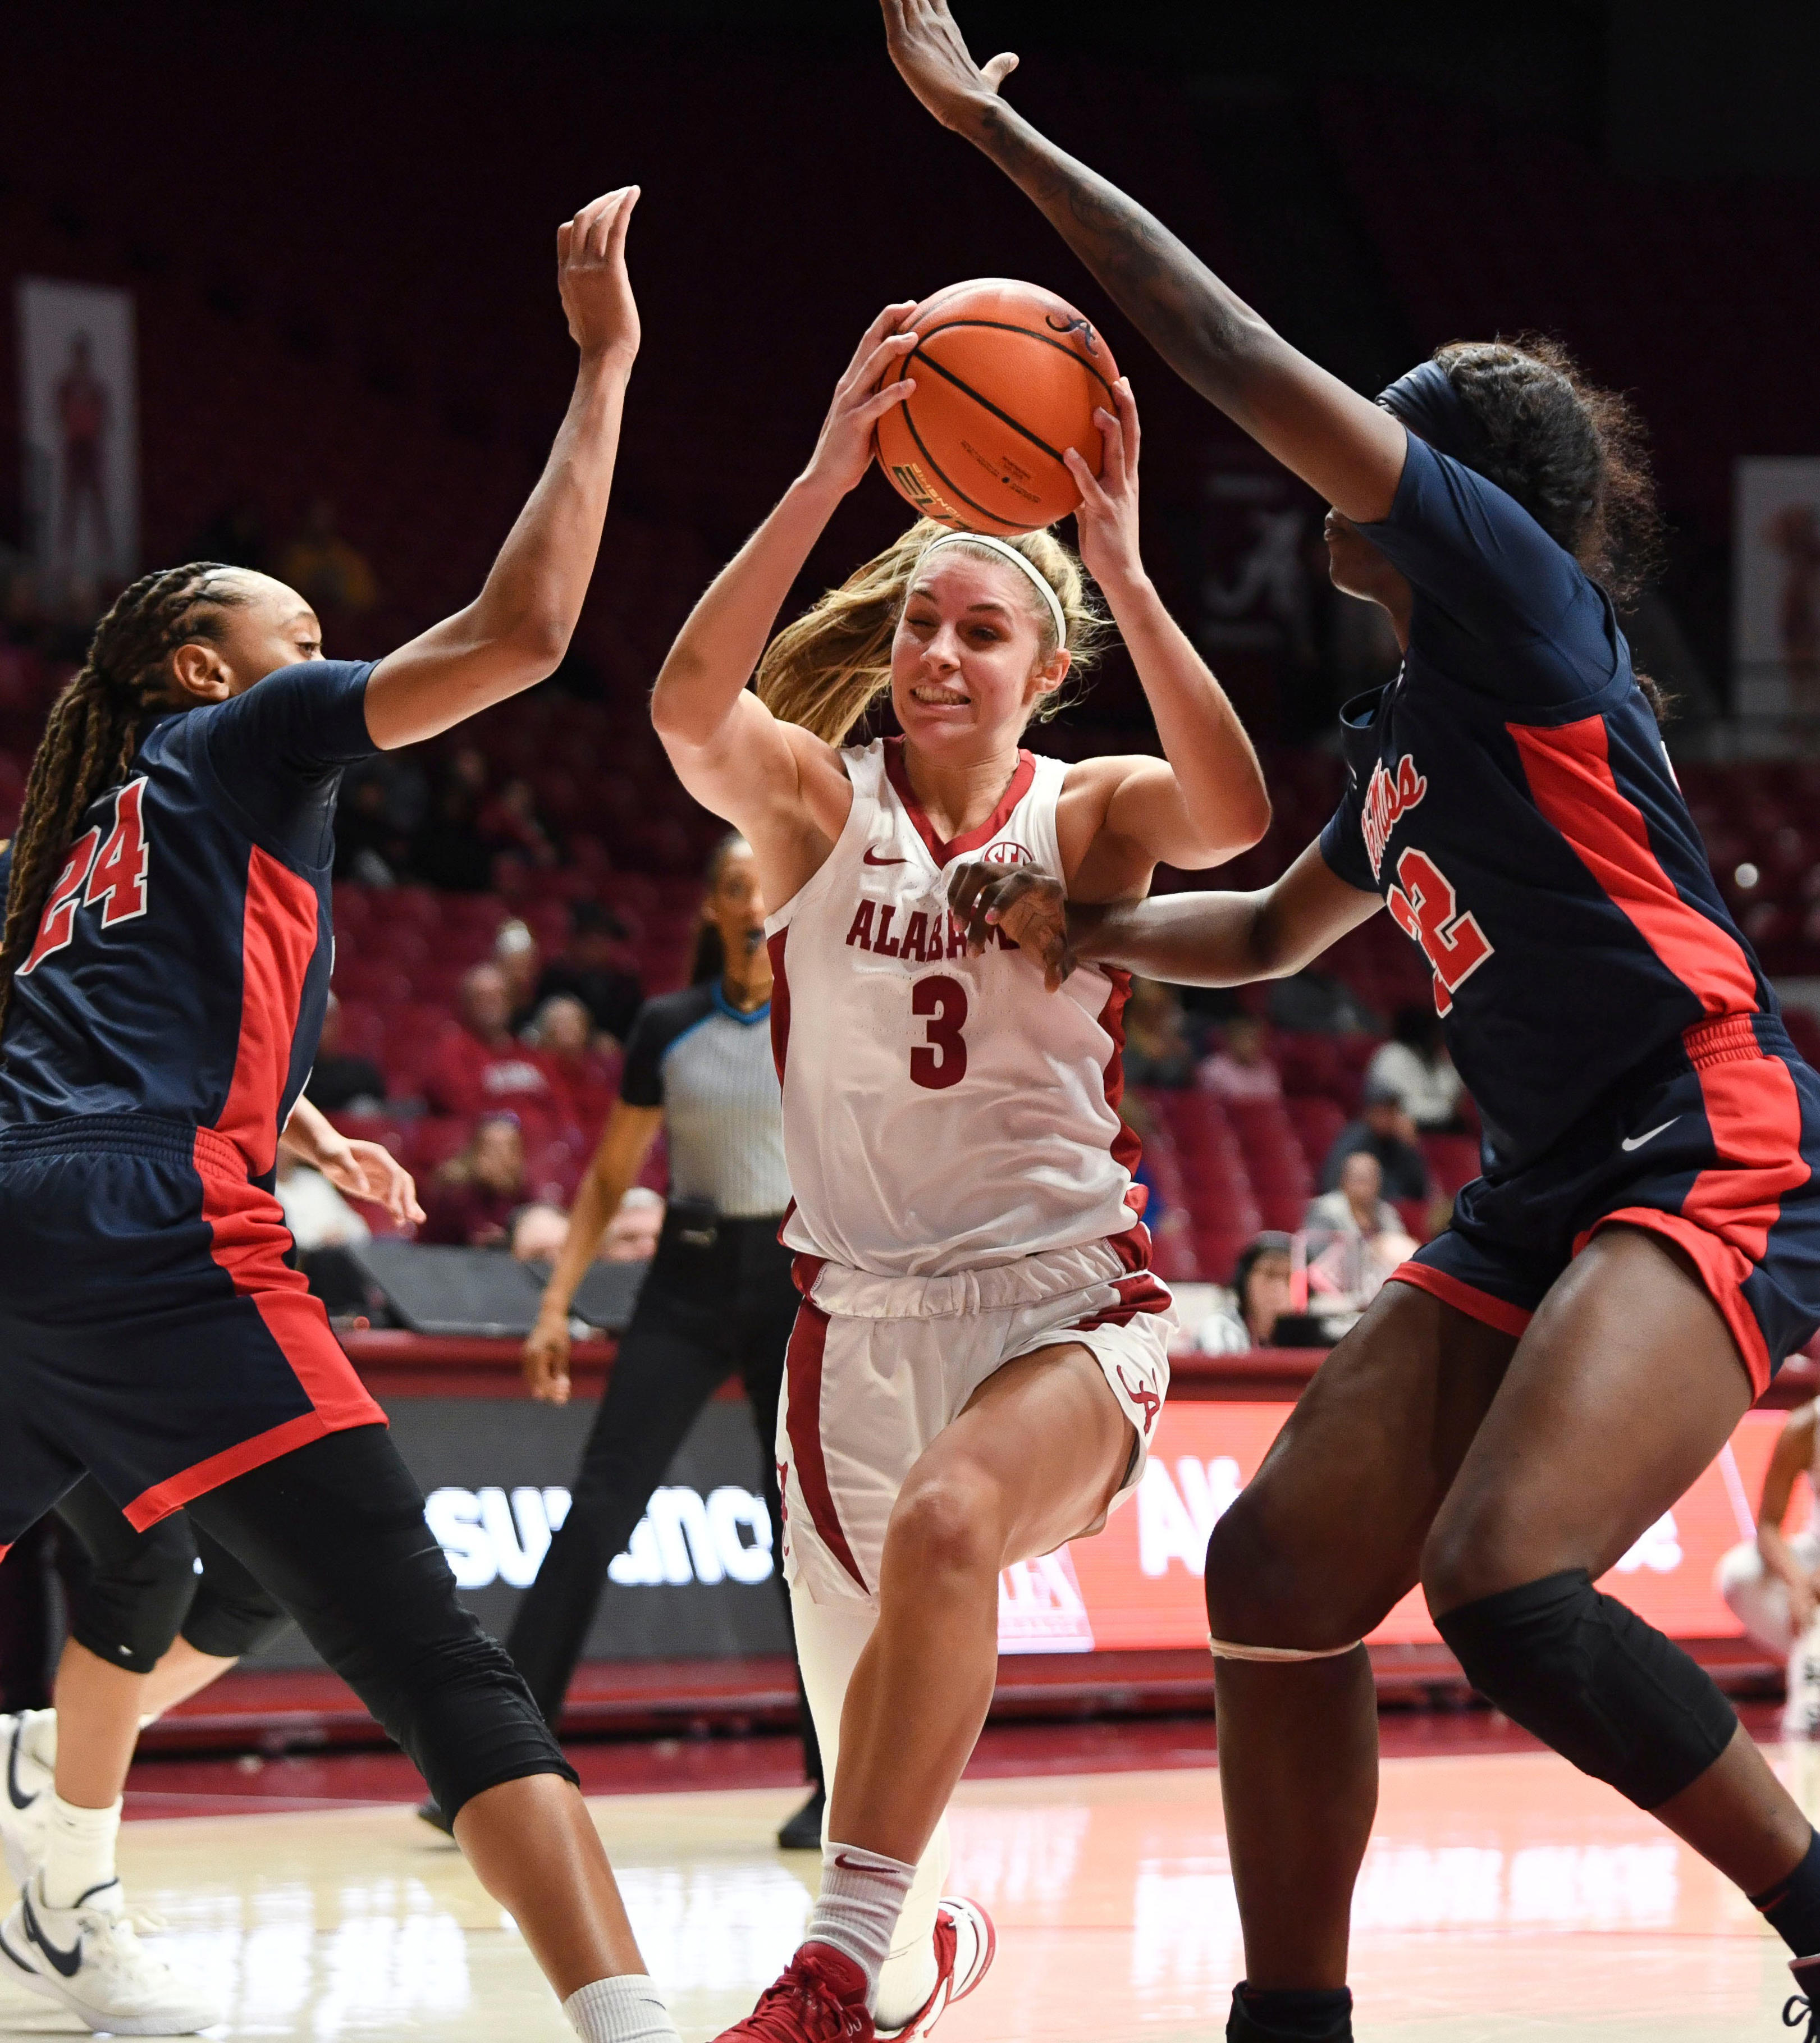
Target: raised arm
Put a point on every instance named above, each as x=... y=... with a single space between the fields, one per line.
x=772 y=780
x=1187 y=939
x=515 y=631
x=1337 y=442
x=1204 y=799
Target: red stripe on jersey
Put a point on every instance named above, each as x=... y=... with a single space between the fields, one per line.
x=1569 y=771
x=277 y=939
x=1486 y=1307
x=803 y=1369
x=1753 y=1114
x=942 y=849
x=249 y=1241
x=780 y=1003
x=1126 y=1148
x=1142 y=1293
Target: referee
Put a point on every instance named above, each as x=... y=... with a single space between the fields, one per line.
x=718 y=1300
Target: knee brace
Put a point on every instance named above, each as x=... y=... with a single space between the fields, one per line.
x=1589 y=1678
x=136 y=1598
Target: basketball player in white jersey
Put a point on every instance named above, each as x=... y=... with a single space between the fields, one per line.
x=980 y=1358
x=1770 y=1582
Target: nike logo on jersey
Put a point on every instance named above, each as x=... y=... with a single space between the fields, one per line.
x=19 y=1800
x=69 y=1962
x=1636 y=1141
x=866 y=858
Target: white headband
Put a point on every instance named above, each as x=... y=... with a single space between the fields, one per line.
x=1011 y=554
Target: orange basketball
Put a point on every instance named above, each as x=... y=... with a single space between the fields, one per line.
x=1007 y=375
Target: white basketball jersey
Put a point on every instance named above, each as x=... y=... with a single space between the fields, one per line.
x=941 y=1112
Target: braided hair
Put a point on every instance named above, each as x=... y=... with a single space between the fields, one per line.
x=92 y=732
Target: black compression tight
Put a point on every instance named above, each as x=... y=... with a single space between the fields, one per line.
x=336 y=1531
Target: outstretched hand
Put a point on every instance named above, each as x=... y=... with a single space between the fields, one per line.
x=368 y=1170
x=591 y=276
x=1106 y=522
x=843 y=447
x=1028 y=905
x=927 y=48
x=544 y=1359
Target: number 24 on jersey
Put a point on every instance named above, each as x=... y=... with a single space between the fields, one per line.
x=108 y=874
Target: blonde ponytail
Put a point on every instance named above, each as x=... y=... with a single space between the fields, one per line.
x=828 y=667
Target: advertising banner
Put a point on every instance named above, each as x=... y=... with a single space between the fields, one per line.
x=697 y=1577
x=1775 y=583
x=79 y=405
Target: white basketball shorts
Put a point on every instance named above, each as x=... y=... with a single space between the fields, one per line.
x=878 y=1365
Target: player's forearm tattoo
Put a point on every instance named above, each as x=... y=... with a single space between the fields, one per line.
x=1199 y=327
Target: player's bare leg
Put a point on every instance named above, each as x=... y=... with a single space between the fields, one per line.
x=1630 y=1377
x=1036 y=1457
x=533 y=1847
x=1314 y=1554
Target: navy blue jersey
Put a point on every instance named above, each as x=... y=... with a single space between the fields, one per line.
x=182 y=959
x=1510 y=797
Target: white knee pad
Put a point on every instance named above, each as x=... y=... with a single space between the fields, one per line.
x=830 y=1639
x=1758 y=1599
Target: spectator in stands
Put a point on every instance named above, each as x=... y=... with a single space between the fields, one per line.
x=509 y=824
x=327 y=567
x=592 y=969
x=516 y=953
x=369 y=846
x=340 y=1083
x=480 y=1067
x=1156 y=1046
x=633 y=1232
x=1317 y=1001
x=562 y=1035
x=1357 y=1203
x=1241 y=1070
x=448 y=852
x=1415 y=1065
x=1385 y=1130
x=482 y=1198
x=1260 y=1297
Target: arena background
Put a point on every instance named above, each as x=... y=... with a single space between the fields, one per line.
x=310 y=250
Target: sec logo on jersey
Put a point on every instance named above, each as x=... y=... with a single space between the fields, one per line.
x=1007 y=853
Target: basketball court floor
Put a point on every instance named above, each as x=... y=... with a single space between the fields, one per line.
x=1503 y=1898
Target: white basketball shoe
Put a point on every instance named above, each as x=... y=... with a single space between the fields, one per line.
x=1801 y=1714
x=25 y=1793
x=965 y=1945
x=90 y=1958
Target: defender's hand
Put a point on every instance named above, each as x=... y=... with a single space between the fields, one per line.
x=927 y=48
x=544 y=1361
x=1028 y=906
x=368 y=1170
x=591 y=276
x=845 y=445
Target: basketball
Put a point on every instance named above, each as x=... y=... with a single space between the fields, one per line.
x=1007 y=376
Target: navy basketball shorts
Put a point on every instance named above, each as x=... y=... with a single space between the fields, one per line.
x=150 y=1330
x=1716 y=1148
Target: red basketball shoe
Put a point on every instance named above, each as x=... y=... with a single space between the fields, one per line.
x=820 y=1999
x=965 y=1945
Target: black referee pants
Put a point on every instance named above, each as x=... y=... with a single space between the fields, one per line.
x=718 y=1302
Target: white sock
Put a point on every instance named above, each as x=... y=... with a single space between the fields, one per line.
x=38 y=1737
x=861 y=1899
x=628 y=2009
x=78 y=1853
x=913 y=1975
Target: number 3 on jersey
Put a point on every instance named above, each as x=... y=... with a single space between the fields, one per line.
x=115 y=877
x=940 y=1060
x=1425 y=907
